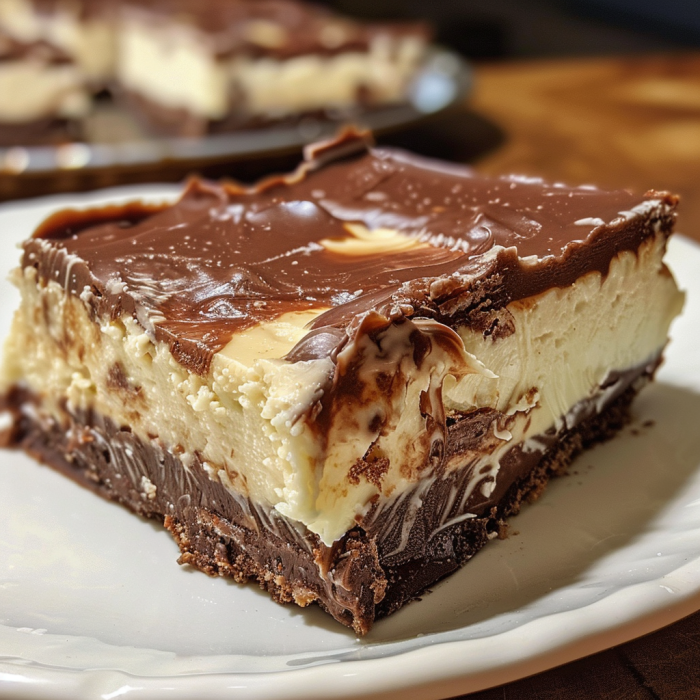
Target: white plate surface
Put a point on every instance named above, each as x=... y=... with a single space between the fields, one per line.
x=93 y=605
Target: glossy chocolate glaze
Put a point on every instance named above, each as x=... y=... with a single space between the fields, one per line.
x=226 y=257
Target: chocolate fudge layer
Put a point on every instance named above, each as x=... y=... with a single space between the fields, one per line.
x=338 y=382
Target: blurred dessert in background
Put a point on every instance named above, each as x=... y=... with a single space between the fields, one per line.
x=42 y=92
x=192 y=65
x=84 y=30
x=188 y=67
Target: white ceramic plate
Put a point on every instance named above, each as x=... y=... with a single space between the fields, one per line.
x=93 y=605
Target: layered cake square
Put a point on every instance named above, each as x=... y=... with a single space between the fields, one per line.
x=340 y=382
x=187 y=67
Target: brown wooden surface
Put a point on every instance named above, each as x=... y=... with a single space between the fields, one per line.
x=624 y=122
x=632 y=122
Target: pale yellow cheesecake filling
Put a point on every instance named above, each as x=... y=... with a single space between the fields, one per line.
x=41 y=90
x=565 y=343
x=248 y=417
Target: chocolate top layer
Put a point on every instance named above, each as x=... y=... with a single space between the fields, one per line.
x=226 y=257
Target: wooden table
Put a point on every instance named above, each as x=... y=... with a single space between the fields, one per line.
x=631 y=122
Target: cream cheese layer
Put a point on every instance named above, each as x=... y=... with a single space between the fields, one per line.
x=41 y=91
x=251 y=416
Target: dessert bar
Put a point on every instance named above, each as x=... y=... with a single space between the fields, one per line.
x=342 y=381
x=187 y=67
x=192 y=67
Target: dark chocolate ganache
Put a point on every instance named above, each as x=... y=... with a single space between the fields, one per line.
x=226 y=257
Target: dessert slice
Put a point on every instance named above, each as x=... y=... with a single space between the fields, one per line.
x=43 y=92
x=190 y=67
x=342 y=381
